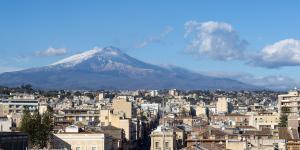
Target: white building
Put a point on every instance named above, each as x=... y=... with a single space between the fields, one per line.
x=154 y=93
x=173 y=92
x=5 y=124
x=152 y=108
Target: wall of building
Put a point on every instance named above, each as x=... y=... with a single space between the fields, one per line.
x=81 y=141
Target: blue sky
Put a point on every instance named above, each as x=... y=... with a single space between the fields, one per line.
x=153 y=31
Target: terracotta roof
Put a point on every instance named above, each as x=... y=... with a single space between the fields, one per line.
x=261 y=132
x=246 y=127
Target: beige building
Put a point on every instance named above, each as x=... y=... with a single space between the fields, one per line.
x=289 y=103
x=200 y=109
x=117 y=120
x=222 y=105
x=255 y=144
x=264 y=120
x=72 y=139
x=236 y=145
x=163 y=138
x=4 y=109
x=122 y=105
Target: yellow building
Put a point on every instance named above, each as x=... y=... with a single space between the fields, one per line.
x=117 y=120
x=122 y=105
x=163 y=138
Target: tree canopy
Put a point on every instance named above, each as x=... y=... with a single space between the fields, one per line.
x=39 y=127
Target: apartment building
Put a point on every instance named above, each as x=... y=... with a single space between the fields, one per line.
x=84 y=115
x=17 y=104
x=289 y=103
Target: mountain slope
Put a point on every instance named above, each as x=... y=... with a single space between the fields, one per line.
x=109 y=68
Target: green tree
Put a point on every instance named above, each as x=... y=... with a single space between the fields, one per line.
x=283 y=117
x=26 y=122
x=46 y=128
x=39 y=127
x=36 y=125
x=283 y=120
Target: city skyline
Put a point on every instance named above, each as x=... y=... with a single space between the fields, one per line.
x=253 y=42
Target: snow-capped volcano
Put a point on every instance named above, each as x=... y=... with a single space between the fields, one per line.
x=110 y=68
x=78 y=58
x=102 y=60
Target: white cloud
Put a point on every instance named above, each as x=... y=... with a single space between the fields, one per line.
x=154 y=39
x=278 y=82
x=282 y=53
x=52 y=52
x=217 y=40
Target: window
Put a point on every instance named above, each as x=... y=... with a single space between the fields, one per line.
x=166 y=144
x=77 y=148
x=156 y=144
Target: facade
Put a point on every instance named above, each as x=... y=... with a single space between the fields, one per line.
x=289 y=103
x=294 y=122
x=163 y=138
x=264 y=120
x=17 y=105
x=122 y=105
x=75 y=140
x=256 y=144
x=231 y=119
x=117 y=120
x=152 y=108
x=81 y=141
x=200 y=109
x=84 y=116
x=222 y=105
